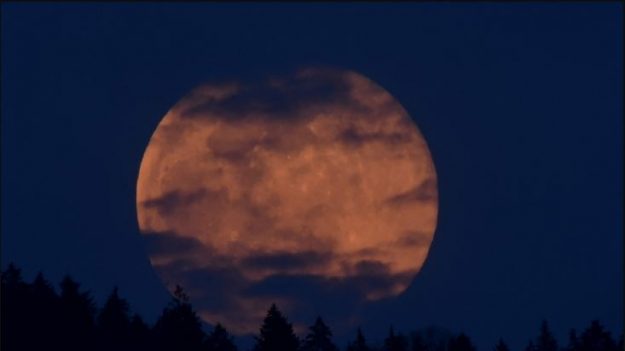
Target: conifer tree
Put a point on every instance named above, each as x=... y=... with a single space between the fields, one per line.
x=179 y=327
x=434 y=338
x=546 y=341
x=43 y=312
x=76 y=317
x=501 y=346
x=394 y=342
x=276 y=333
x=461 y=343
x=14 y=304
x=319 y=338
x=573 y=341
x=596 y=338
x=360 y=344
x=42 y=289
x=138 y=334
x=418 y=344
x=113 y=323
x=219 y=340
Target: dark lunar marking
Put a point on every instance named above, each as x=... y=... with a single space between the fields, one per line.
x=169 y=243
x=167 y=203
x=306 y=287
x=372 y=267
x=287 y=260
x=173 y=200
x=425 y=192
x=277 y=99
x=413 y=238
x=353 y=137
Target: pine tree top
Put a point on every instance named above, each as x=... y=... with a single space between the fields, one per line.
x=276 y=333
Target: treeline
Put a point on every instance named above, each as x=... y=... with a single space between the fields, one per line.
x=35 y=317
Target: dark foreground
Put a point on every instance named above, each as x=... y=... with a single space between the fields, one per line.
x=35 y=317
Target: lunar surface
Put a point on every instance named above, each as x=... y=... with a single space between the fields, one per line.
x=311 y=191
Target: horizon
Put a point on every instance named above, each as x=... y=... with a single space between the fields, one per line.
x=246 y=341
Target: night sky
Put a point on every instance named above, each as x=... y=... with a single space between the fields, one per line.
x=521 y=106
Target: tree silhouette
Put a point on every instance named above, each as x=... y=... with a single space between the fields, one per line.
x=461 y=343
x=179 y=327
x=35 y=317
x=43 y=309
x=14 y=304
x=113 y=323
x=433 y=338
x=276 y=333
x=360 y=344
x=219 y=340
x=76 y=317
x=138 y=334
x=418 y=344
x=546 y=341
x=501 y=346
x=42 y=291
x=319 y=338
x=573 y=341
x=394 y=342
x=595 y=338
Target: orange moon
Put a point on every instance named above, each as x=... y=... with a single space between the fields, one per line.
x=319 y=175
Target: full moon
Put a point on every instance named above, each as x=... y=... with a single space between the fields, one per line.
x=319 y=178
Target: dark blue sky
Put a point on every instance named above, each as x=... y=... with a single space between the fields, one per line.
x=521 y=105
